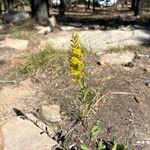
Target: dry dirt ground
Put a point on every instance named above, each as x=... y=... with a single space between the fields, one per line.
x=122 y=94
x=122 y=107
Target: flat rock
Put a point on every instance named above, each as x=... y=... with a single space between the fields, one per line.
x=15 y=95
x=50 y=113
x=15 y=16
x=15 y=44
x=98 y=40
x=69 y=28
x=120 y=58
x=22 y=134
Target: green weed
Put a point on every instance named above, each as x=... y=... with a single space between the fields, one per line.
x=101 y=145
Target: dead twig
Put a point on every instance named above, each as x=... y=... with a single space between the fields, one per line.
x=101 y=98
x=8 y=81
x=122 y=93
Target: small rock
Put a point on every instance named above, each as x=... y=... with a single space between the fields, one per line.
x=130 y=65
x=137 y=56
x=1 y=27
x=94 y=27
x=43 y=30
x=22 y=134
x=50 y=113
x=52 y=21
x=68 y=28
x=86 y=28
x=147 y=84
x=120 y=58
x=136 y=99
x=145 y=68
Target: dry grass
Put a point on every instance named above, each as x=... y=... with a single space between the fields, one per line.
x=48 y=55
x=21 y=34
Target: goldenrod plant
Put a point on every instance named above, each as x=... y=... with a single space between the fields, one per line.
x=77 y=71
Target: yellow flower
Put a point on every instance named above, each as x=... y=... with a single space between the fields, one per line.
x=76 y=71
x=76 y=62
x=77 y=52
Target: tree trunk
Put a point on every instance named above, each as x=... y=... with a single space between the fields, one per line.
x=40 y=10
x=133 y=4
x=138 y=7
x=5 y=5
x=10 y=4
x=93 y=5
x=0 y=8
x=89 y=4
x=62 y=8
x=85 y=4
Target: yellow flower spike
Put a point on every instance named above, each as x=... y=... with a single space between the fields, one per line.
x=75 y=60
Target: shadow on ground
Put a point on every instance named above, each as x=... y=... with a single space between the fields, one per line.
x=112 y=22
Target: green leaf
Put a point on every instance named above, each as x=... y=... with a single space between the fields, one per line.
x=84 y=147
x=95 y=130
x=118 y=146
x=114 y=147
x=101 y=146
x=121 y=147
x=86 y=93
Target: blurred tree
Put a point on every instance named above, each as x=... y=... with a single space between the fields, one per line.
x=62 y=8
x=0 y=7
x=40 y=10
x=10 y=4
x=5 y=4
x=138 y=7
x=89 y=4
x=133 y=3
x=93 y=5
